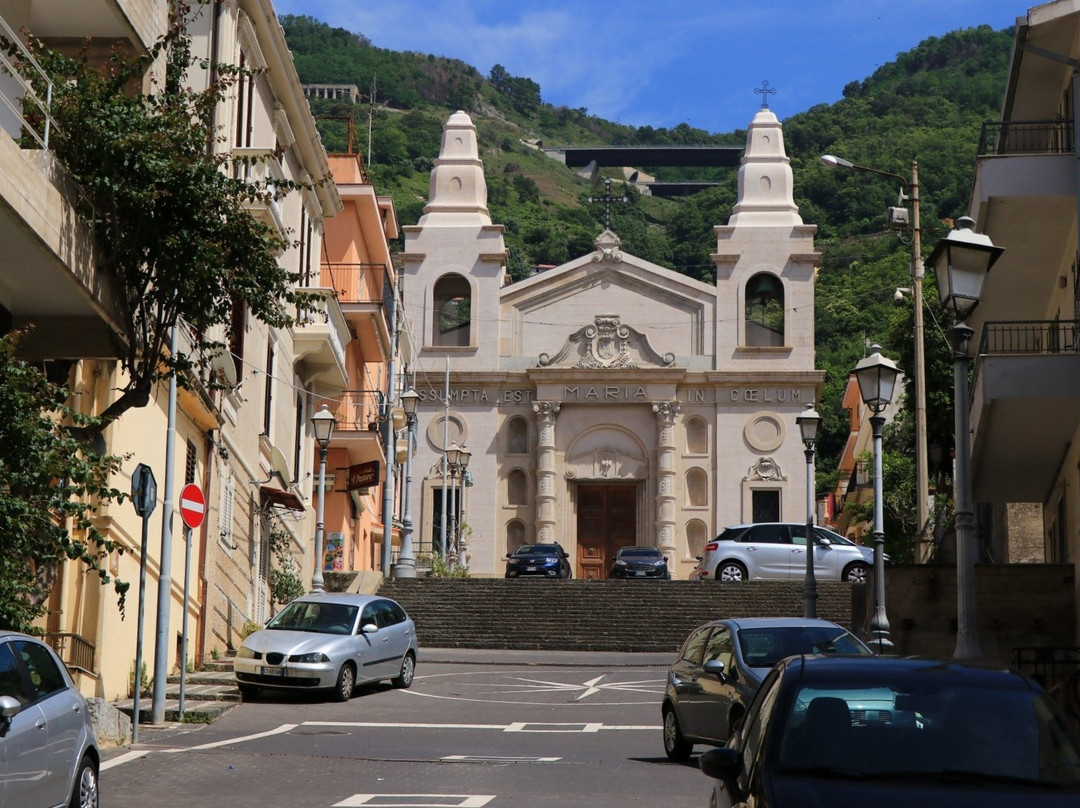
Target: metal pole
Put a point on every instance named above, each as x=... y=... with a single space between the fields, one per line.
x=462 y=542
x=184 y=620
x=810 y=594
x=879 y=624
x=445 y=470
x=406 y=563
x=391 y=445
x=922 y=484
x=161 y=645
x=453 y=509
x=317 y=576
x=139 y=630
x=967 y=641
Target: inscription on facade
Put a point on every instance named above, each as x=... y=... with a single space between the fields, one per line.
x=764 y=395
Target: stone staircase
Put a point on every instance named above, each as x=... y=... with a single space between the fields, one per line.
x=208 y=694
x=606 y=615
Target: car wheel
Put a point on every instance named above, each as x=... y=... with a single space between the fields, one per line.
x=85 y=792
x=675 y=745
x=408 y=668
x=248 y=691
x=346 y=681
x=855 y=573
x=731 y=571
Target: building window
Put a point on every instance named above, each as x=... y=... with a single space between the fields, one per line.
x=226 y=519
x=697 y=488
x=765 y=505
x=268 y=392
x=189 y=463
x=696 y=533
x=697 y=436
x=237 y=329
x=517 y=433
x=764 y=311
x=517 y=488
x=452 y=311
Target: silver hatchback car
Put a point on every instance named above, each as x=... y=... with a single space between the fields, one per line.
x=777 y=551
x=48 y=752
x=329 y=641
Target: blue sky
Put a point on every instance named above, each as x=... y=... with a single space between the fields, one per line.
x=644 y=62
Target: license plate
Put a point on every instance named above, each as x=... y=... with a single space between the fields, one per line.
x=272 y=671
x=530 y=569
x=639 y=573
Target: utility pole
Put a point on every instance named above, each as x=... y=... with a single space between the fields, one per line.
x=922 y=485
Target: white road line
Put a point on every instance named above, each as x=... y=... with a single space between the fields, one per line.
x=516 y=726
x=396 y=801
x=500 y=759
x=138 y=753
x=127 y=757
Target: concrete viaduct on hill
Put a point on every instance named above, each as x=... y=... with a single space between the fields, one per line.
x=590 y=158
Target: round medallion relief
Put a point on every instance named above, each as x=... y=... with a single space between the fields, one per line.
x=456 y=432
x=765 y=432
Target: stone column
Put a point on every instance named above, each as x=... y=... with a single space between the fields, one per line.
x=546 y=413
x=665 y=478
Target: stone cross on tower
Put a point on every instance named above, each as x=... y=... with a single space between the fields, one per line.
x=607 y=199
x=765 y=91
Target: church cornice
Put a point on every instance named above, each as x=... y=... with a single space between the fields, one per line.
x=652 y=376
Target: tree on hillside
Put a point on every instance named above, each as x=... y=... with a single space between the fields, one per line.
x=51 y=486
x=174 y=231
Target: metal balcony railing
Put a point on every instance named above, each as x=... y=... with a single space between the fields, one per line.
x=360 y=410
x=19 y=97
x=1000 y=138
x=74 y=650
x=1030 y=337
x=361 y=282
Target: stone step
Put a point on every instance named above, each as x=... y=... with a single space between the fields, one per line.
x=195 y=711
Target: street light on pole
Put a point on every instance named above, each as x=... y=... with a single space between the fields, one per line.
x=808 y=423
x=323 y=422
x=406 y=563
x=961 y=263
x=463 y=464
x=453 y=454
x=877 y=377
x=898 y=221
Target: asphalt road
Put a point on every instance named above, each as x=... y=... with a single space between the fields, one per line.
x=528 y=729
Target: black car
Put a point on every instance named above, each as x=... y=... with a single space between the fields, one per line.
x=545 y=560
x=640 y=562
x=891 y=732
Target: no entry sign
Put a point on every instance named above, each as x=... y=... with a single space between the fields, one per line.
x=192 y=505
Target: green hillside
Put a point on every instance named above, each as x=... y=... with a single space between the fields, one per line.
x=927 y=105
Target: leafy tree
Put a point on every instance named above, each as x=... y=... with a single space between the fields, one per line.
x=52 y=487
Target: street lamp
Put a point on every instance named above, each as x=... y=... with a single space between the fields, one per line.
x=898 y=221
x=406 y=563
x=808 y=423
x=323 y=422
x=463 y=464
x=877 y=381
x=961 y=262
x=453 y=454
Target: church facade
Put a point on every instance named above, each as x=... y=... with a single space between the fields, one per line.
x=608 y=401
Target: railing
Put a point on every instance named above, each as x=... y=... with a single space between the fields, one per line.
x=75 y=651
x=24 y=92
x=1030 y=337
x=360 y=410
x=1026 y=137
x=361 y=282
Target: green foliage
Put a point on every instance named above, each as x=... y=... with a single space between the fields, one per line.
x=285 y=583
x=438 y=568
x=249 y=628
x=52 y=487
x=146 y=683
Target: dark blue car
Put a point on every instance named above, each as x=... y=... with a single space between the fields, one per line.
x=545 y=560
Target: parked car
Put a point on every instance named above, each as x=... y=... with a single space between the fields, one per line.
x=941 y=733
x=48 y=752
x=720 y=666
x=640 y=562
x=546 y=560
x=329 y=641
x=777 y=551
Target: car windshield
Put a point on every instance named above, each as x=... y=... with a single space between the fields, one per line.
x=325 y=618
x=536 y=550
x=950 y=734
x=639 y=552
x=764 y=647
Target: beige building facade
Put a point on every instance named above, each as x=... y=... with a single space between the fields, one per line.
x=608 y=401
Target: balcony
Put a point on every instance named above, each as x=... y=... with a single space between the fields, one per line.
x=1024 y=198
x=261 y=168
x=319 y=339
x=367 y=299
x=1025 y=407
x=359 y=425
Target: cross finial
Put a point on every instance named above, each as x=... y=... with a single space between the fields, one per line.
x=607 y=199
x=765 y=91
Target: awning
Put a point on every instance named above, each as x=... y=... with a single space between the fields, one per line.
x=278 y=496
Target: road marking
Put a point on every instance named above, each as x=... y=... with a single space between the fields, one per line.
x=125 y=758
x=396 y=801
x=538 y=726
x=516 y=726
x=138 y=753
x=499 y=759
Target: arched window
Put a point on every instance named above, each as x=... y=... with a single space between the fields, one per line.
x=697 y=488
x=517 y=433
x=517 y=488
x=515 y=535
x=452 y=311
x=697 y=436
x=764 y=311
x=695 y=538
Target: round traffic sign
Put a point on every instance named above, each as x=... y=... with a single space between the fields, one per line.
x=192 y=505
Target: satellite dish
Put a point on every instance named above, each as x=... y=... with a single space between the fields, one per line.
x=222 y=362
x=280 y=465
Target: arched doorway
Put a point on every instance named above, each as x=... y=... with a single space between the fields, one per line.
x=606 y=521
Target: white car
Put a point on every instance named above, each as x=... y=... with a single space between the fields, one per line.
x=776 y=551
x=329 y=641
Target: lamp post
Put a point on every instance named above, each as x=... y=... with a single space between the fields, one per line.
x=406 y=563
x=463 y=464
x=808 y=423
x=453 y=454
x=877 y=382
x=961 y=262
x=323 y=422
x=898 y=221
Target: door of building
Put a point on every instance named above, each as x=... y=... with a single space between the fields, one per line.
x=607 y=520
